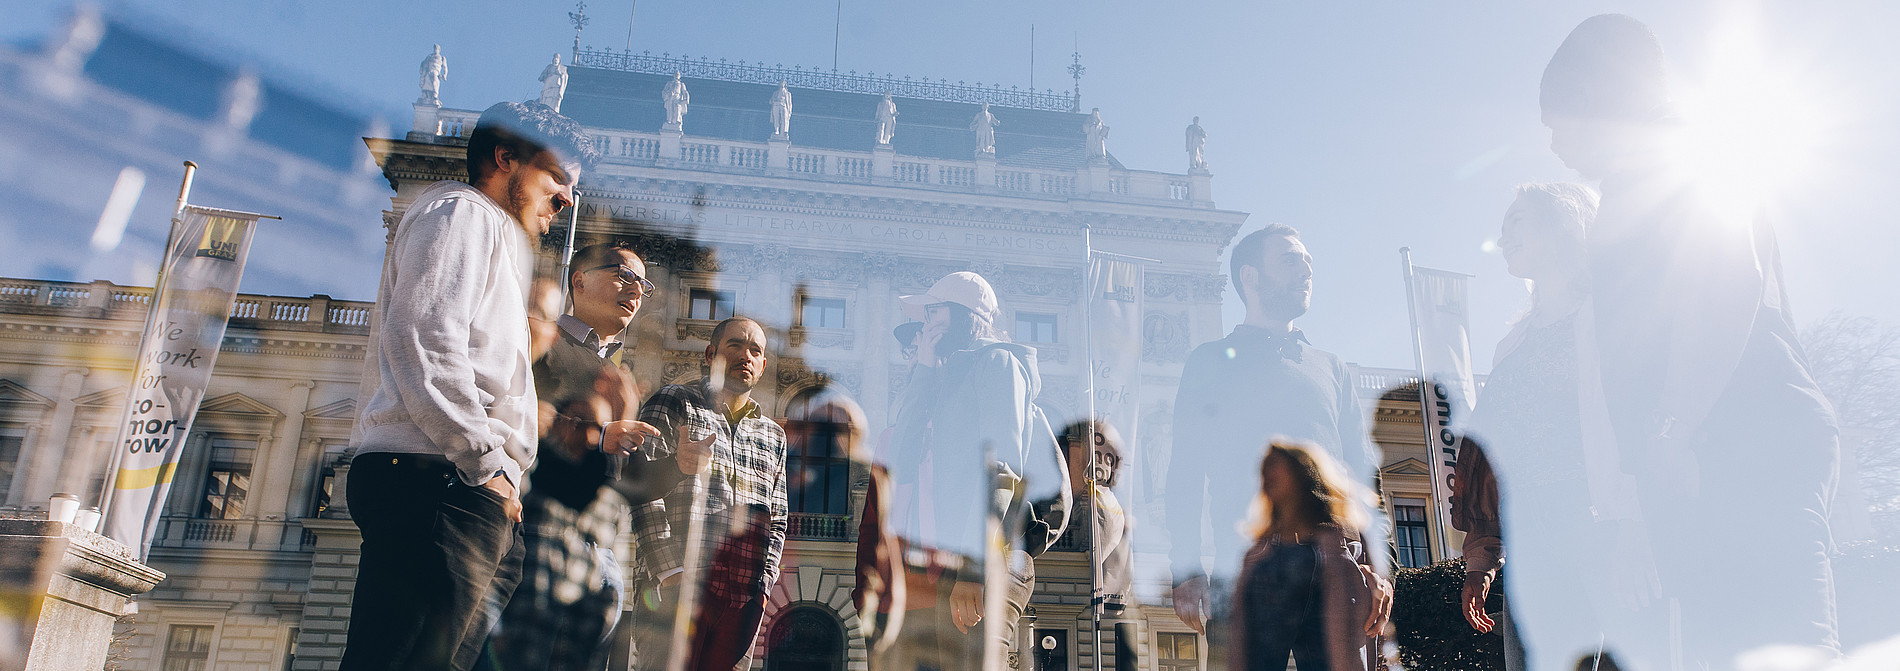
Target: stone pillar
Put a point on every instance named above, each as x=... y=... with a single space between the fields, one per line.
x=64 y=587
x=778 y=153
x=279 y=467
x=986 y=170
x=42 y=465
x=319 y=313
x=325 y=621
x=883 y=163
x=1200 y=185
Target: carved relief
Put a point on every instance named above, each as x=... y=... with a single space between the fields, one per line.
x=1195 y=288
x=1164 y=336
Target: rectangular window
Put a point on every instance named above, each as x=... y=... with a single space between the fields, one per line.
x=187 y=648
x=1177 y=651
x=228 y=479
x=821 y=313
x=1410 y=537
x=709 y=305
x=10 y=443
x=818 y=472
x=326 y=480
x=1035 y=327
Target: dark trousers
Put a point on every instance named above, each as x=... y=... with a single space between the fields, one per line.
x=433 y=551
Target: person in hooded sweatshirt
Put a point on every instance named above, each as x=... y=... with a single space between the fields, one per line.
x=969 y=441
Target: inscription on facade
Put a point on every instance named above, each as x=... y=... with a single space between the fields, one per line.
x=914 y=236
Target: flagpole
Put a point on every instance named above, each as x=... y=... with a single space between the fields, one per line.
x=1089 y=297
x=151 y=312
x=1425 y=403
x=567 y=250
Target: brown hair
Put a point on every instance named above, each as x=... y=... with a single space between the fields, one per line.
x=1326 y=498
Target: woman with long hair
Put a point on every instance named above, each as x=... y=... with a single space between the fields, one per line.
x=1307 y=587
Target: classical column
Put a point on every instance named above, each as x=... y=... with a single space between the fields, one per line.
x=877 y=315
x=17 y=486
x=278 y=468
x=40 y=464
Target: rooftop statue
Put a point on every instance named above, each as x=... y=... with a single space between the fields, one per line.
x=985 y=125
x=675 y=97
x=435 y=69
x=1097 y=135
x=554 y=83
x=886 y=120
x=1196 y=145
x=781 y=113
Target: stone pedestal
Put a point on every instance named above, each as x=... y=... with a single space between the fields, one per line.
x=670 y=139
x=61 y=590
x=778 y=152
x=986 y=169
x=426 y=116
x=1201 y=185
x=883 y=162
x=1097 y=174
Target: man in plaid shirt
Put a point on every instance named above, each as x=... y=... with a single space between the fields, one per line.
x=741 y=500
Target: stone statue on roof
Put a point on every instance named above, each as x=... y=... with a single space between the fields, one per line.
x=435 y=70
x=782 y=113
x=985 y=125
x=886 y=120
x=1097 y=133
x=554 y=83
x=1196 y=145
x=675 y=97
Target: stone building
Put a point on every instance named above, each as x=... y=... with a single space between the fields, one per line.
x=814 y=230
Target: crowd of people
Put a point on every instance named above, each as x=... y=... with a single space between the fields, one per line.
x=1618 y=450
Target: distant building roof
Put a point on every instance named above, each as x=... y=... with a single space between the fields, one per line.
x=143 y=65
x=824 y=119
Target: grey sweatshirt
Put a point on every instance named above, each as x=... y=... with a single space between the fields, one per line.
x=452 y=353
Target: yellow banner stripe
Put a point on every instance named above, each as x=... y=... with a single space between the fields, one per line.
x=144 y=477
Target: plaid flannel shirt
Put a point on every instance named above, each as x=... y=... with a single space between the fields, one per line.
x=747 y=473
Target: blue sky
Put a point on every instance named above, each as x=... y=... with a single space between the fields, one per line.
x=1368 y=125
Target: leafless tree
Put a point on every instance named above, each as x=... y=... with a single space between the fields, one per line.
x=1856 y=361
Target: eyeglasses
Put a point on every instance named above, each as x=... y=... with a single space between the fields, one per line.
x=626 y=275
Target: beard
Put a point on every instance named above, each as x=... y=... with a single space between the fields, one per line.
x=522 y=206
x=1286 y=305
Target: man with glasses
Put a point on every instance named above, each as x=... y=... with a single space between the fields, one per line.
x=569 y=599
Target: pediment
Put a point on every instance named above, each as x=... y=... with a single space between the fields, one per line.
x=344 y=409
x=1408 y=466
x=13 y=395
x=110 y=398
x=238 y=404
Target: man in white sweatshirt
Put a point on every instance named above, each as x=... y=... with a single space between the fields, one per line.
x=451 y=427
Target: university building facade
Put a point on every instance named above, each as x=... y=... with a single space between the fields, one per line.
x=814 y=232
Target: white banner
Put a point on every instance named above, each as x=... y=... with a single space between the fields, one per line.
x=1114 y=357
x=1440 y=313
x=190 y=309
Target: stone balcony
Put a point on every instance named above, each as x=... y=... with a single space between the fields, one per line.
x=104 y=300
x=687 y=152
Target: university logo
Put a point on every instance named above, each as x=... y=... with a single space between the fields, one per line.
x=222 y=236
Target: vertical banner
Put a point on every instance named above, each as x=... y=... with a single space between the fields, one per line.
x=190 y=307
x=1114 y=357
x=1442 y=345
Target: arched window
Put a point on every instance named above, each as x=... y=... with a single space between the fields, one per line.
x=805 y=638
